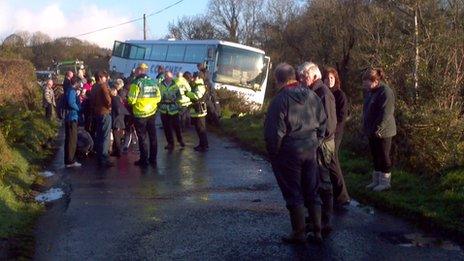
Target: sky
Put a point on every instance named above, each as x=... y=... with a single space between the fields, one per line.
x=67 y=18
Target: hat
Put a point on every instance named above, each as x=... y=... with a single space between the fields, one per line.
x=143 y=66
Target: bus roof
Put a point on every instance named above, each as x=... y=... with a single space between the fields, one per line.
x=209 y=42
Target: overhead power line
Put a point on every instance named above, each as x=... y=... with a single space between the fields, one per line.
x=131 y=21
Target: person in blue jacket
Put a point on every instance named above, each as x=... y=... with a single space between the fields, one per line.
x=73 y=107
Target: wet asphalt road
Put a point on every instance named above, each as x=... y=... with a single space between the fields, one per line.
x=223 y=204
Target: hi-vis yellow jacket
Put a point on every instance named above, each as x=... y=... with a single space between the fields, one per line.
x=184 y=87
x=170 y=97
x=197 y=96
x=144 y=96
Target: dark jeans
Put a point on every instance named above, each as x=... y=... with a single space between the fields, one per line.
x=380 y=149
x=102 y=139
x=340 y=191
x=200 y=127
x=146 y=134
x=184 y=118
x=298 y=177
x=70 y=141
x=170 y=123
x=49 y=111
x=117 y=137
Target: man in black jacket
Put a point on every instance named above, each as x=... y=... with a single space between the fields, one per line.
x=295 y=126
x=331 y=183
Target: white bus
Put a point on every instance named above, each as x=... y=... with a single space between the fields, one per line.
x=233 y=66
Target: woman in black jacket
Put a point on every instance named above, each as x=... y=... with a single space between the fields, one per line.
x=340 y=192
x=379 y=125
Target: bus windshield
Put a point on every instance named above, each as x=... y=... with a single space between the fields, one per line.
x=240 y=67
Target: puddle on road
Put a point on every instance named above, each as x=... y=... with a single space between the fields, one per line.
x=365 y=208
x=419 y=240
x=46 y=174
x=50 y=195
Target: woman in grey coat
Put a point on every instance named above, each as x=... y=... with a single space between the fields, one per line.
x=379 y=125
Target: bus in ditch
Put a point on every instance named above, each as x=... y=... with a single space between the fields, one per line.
x=233 y=66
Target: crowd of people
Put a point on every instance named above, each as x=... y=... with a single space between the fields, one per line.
x=303 y=131
x=99 y=111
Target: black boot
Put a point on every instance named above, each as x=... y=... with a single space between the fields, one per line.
x=315 y=216
x=297 y=219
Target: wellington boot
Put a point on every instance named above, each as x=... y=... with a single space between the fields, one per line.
x=384 y=182
x=375 y=180
x=298 y=235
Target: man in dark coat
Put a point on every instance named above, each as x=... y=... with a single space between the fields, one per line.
x=311 y=77
x=295 y=126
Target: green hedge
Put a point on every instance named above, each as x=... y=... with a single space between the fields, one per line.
x=26 y=139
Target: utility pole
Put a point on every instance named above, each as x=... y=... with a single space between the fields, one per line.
x=416 y=45
x=144 y=27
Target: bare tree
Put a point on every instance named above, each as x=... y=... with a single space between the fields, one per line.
x=39 y=38
x=197 y=27
x=252 y=16
x=225 y=15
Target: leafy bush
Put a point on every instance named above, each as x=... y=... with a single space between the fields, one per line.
x=25 y=139
x=428 y=140
x=234 y=103
x=18 y=84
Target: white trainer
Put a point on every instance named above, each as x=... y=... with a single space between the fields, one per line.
x=375 y=180
x=384 y=182
x=74 y=165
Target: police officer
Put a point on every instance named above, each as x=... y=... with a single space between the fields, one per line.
x=294 y=127
x=184 y=101
x=144 y=96
x=198 y=109
x=169 y=108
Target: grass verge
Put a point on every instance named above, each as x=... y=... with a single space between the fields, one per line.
x=431 y=202
x=26 y=140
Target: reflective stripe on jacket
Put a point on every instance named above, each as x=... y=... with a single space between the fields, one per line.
x=144 y=96
x=170 y=96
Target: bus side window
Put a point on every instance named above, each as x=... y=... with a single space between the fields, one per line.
x=158 y=52
x=137 y=52
x=175 y=53
x=127 y=50
x=195 y=53
x=118 y=49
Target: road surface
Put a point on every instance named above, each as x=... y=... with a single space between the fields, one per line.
x=223 y=204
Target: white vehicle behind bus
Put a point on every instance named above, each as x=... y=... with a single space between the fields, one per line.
x=233 y=66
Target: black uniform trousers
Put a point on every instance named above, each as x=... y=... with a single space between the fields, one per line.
x=171 y=123
x=200 y=127
x=146 y=134
x=184 y=118
x=70 y=141
x=340 y=192
x=380 y=149
x=298 y=177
